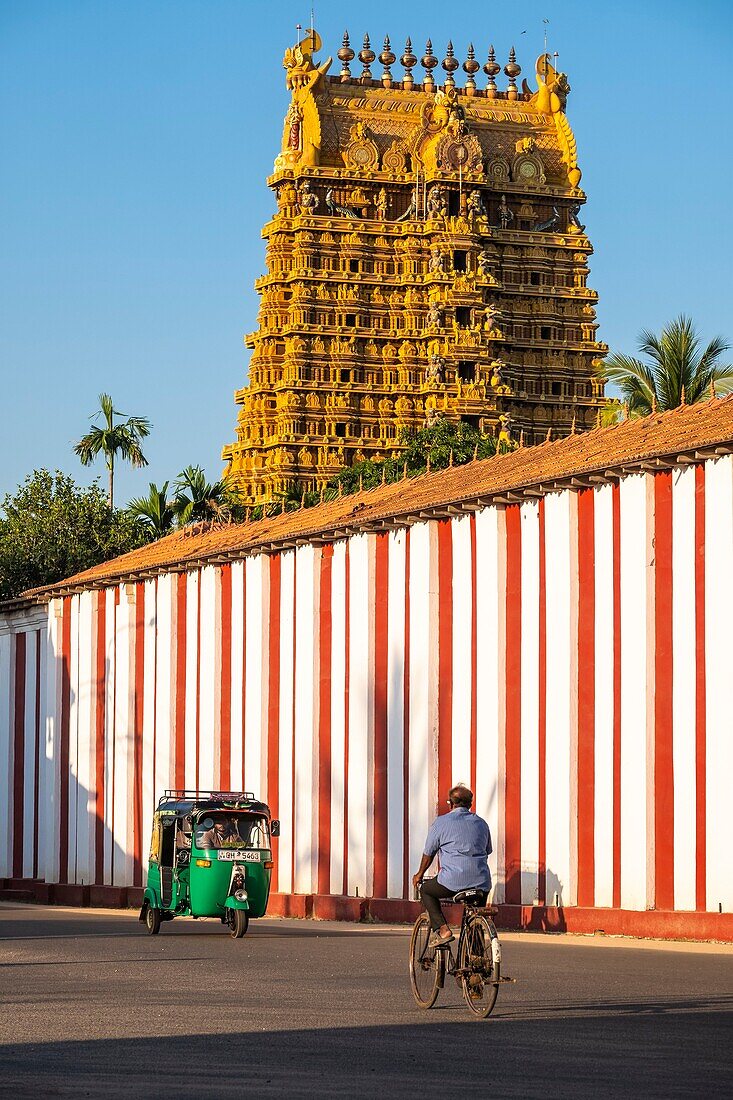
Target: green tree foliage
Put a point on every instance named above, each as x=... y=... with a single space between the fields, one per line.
x=52 y=528
x=123 y=439
x=198 y=499
x=675 y=371
x=155 y=513
x=442 y=444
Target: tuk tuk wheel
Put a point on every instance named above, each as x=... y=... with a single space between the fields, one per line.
x=152 y=920
x=239 y=922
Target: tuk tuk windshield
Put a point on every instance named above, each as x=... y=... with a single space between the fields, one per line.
x=228 y=830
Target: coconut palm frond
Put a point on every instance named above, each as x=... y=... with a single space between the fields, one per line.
x=677 y=370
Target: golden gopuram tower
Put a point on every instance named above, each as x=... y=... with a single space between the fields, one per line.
x=426 y=259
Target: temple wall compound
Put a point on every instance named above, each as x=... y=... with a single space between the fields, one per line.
x=567 y=656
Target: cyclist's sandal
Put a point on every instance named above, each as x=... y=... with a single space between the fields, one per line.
x=436 y=940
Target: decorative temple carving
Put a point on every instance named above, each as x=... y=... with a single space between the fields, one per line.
x=426 y=258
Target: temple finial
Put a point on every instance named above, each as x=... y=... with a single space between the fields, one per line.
x=512 y=70
x=492 y=68
x=345 y=55
x=387 y=58
x=408 y=61
x=428 y=62
x=450 y=65
x=366 y=56
x=471 y=67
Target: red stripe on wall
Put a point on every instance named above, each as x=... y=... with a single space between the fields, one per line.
x=273 y=703
x=347 y=671
x=406 y=732
x=137 y=745
x=99 y=741
x=445 y=661
x=180 y=712
x=37 y=763
x=663 y=657
x=324 y=722
x=474 y=658
x=381 y=808
x=18 y=755
x=225 y=699
x=586 y=697
x=542 y=709
x=616 y=523
x=64 y=740
x=513 y=721
x=700 y=695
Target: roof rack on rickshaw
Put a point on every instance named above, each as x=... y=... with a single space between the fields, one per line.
x=197 y=797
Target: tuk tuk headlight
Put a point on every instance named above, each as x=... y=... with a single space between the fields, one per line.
x=240 y=895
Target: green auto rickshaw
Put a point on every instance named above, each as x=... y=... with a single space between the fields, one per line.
x=210 y=856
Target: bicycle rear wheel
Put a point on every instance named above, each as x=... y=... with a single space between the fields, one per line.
x=480 y=964
x=425 y=964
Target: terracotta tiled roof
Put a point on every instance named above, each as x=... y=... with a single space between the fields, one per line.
x=604 y=454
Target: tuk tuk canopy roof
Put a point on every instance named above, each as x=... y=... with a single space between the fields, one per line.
x=183 y=802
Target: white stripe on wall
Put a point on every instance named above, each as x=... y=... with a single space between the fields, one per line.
x=7 y=646
x=395 y=712
x=462 y=619
x=237 y=663
x=361 y=708
x=488 y=765
x=530 y=767
x=423 y=719
x=338 y=690
x=287 y=658
x=634 y=626
x=719 y=682
x=306 y=665
x=558 y=664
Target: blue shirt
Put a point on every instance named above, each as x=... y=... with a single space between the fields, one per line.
x=463 y=841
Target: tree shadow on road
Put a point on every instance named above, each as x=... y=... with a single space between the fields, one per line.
x=681 y=1052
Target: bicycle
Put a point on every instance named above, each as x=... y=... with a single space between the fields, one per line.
x=476 y=964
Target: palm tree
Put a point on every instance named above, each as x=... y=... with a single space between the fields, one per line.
x=198 y=499
x=154 y=512
x=677 y=371
x=112 y=439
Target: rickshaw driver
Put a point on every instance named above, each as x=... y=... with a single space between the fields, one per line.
x=463 y=841
x=214 y=837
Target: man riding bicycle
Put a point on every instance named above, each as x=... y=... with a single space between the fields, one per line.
x=462 y=841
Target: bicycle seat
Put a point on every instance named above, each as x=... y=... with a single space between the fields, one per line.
x=470 y=897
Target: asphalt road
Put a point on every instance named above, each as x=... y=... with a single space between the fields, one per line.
x=92 y=1006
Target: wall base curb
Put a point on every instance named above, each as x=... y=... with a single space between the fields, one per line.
x=646 y=924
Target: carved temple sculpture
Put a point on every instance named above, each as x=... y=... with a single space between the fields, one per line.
x=426 y=259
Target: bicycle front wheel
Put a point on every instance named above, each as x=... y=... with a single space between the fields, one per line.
x=480 y=965
x=425 y=963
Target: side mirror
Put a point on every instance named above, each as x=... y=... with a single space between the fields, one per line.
x=275 y=828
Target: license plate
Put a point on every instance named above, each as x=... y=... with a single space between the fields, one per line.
x=234 y=856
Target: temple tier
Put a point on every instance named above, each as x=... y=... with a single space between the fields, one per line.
x=426 y=259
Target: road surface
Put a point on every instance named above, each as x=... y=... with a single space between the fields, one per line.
x=92 y=1006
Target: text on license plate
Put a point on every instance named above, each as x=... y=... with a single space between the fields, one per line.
x=235 y=856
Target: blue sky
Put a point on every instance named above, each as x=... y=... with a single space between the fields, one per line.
x=136 y=138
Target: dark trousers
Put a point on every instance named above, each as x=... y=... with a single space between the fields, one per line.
x=431 y=892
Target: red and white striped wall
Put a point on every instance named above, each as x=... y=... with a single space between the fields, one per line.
x=568 y=658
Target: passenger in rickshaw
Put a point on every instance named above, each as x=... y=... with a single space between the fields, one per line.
x=183 y=833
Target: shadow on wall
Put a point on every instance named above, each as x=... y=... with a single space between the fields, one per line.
x=543 y=910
